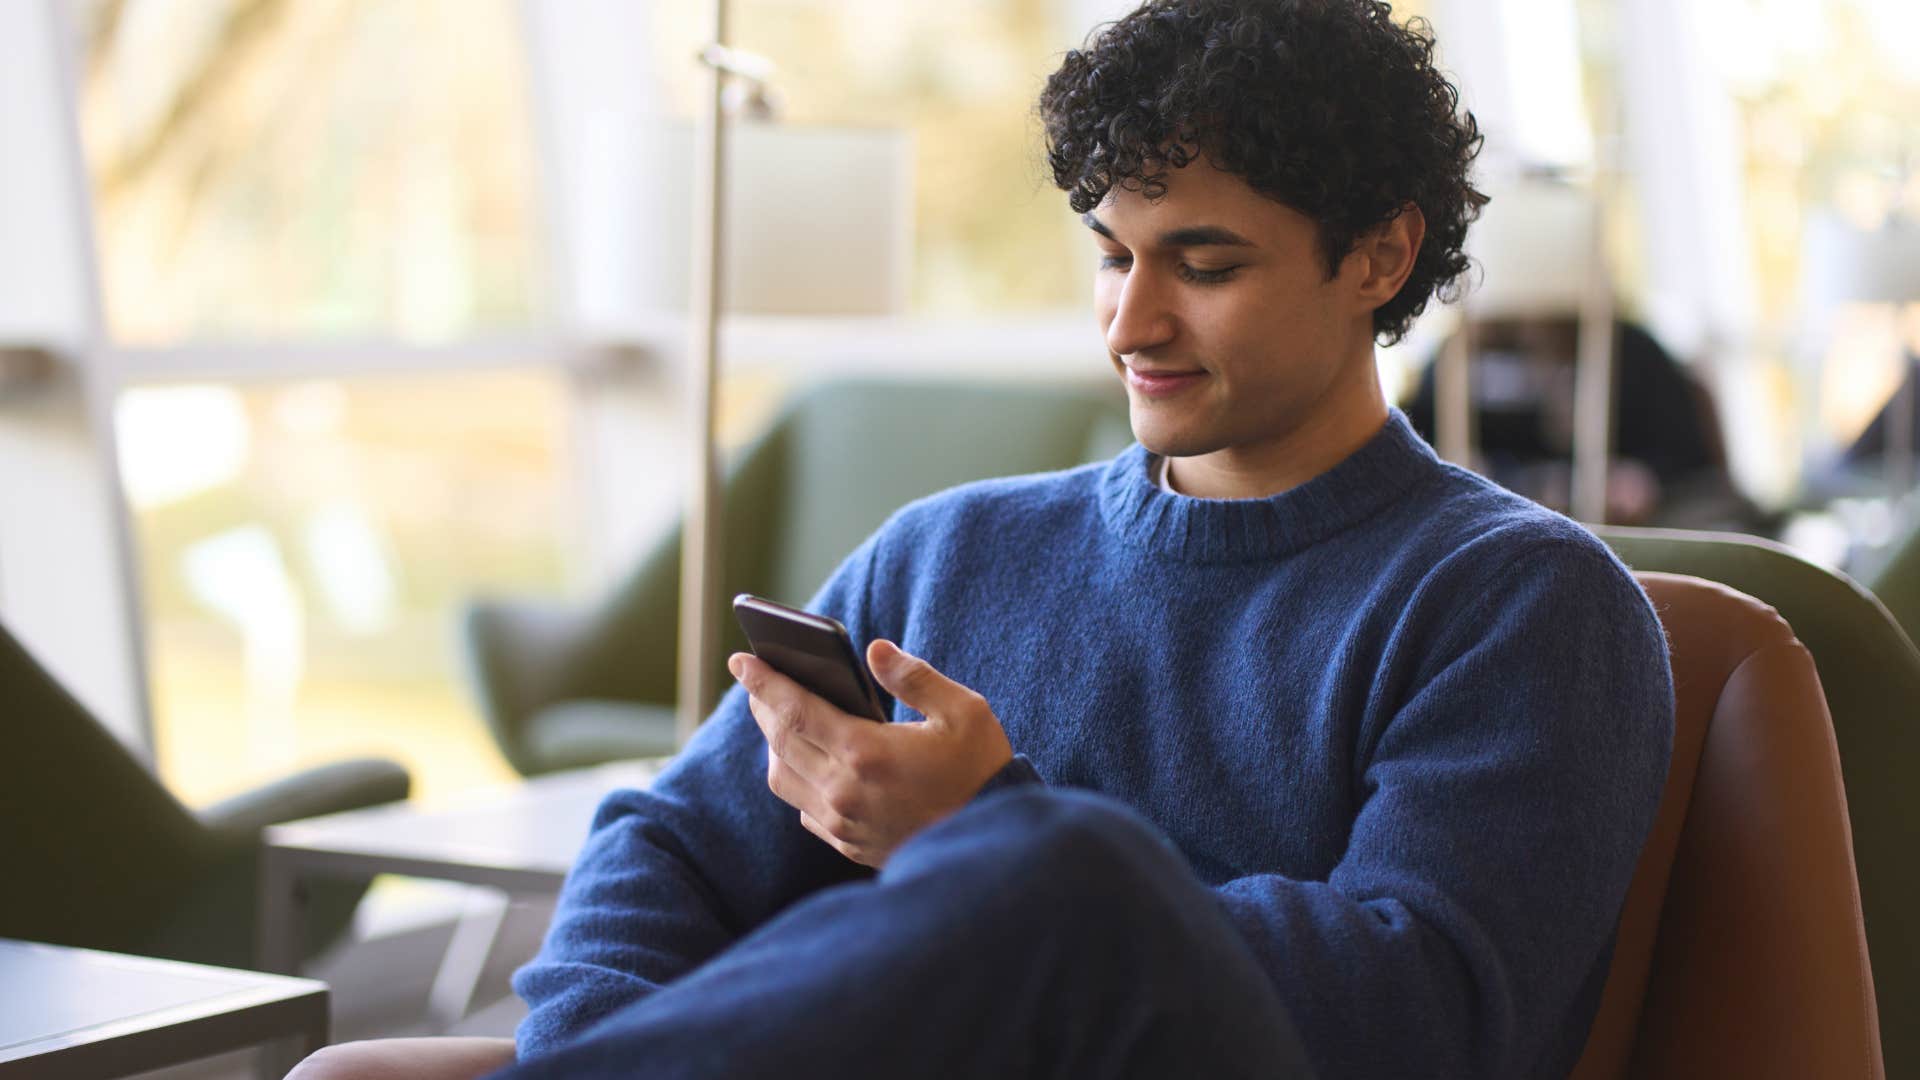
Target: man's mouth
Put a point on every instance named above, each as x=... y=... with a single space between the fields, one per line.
x=1162 y=381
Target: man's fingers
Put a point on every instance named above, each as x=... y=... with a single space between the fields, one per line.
x=838 y=808
x=794 y=789
x=791 y=712
x=764 y=681
x=810 y=732
x=787 y=741
x=808 y=823
x=812 y=825
x=917 y=683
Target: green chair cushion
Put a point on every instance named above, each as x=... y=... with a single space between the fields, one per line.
x=575 y=734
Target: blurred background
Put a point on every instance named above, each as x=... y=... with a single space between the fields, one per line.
x=318 y=317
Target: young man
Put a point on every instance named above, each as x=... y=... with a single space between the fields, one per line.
x=1273 y=747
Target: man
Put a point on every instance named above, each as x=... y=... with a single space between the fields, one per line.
x=1273 y=747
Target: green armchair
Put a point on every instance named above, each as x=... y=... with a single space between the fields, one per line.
x=99 y=855
x=563 y=688
x=1870 y=672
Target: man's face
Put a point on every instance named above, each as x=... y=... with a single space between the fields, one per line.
x=1219 y=316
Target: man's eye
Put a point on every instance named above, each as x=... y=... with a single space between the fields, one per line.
x=1115 y=262
x=1206 y=277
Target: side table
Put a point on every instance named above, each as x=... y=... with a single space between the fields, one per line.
x=520 y=840
x=78 y=1014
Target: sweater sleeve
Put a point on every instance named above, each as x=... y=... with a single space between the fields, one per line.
x=1501 y=808
x=673 y=874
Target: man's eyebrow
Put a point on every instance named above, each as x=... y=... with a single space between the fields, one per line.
x=1204 y=236
x=1191 y=236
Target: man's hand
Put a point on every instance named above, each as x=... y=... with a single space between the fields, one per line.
x=866 y=787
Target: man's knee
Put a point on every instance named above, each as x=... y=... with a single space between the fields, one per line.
x=1082 y=833
x=406 y=1059
x=1068 y=842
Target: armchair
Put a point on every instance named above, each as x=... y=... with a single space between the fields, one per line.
x=99 y=855
x=1741 y=949
x=1870 y=676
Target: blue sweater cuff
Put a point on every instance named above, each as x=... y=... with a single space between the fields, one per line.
x=1015 y=773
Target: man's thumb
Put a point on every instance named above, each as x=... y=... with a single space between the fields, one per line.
x=904 y=675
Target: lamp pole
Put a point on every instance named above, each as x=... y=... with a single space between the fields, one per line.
x=700 y=537
x=1595 y=360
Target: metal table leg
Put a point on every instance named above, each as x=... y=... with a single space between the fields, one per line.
x=281 y=915
x=481 y=914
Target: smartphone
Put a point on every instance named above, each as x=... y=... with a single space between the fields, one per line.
x=812 y=650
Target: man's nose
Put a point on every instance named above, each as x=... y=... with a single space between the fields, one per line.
x=1142 y=317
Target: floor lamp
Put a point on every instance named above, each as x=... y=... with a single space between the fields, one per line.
x=700 y=545
x=824 y=220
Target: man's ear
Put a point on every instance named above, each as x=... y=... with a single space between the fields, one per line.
x=1390 y=249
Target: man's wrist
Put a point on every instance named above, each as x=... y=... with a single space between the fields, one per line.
x=1017 y=772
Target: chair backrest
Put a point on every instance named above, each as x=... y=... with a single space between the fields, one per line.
x=1741 y=948
x=845 y=454
x=94 y=850
x=1870 y=672
x=1897 y=582
x=835 y=462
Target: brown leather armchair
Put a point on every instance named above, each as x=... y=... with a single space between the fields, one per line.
x=1741 y=949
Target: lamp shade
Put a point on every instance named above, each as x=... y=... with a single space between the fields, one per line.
x=1534 y=243
x=819 y=221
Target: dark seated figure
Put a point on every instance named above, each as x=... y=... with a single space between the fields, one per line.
x=1669 y=463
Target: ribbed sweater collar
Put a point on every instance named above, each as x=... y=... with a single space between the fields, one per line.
x=1240 y=530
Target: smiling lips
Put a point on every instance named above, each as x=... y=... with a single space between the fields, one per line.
x=1162 y=383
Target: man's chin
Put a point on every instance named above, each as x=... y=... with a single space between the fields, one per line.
x=1173 y=428
x=1170 y=440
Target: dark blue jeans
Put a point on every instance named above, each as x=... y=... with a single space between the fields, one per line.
x=1036 y=933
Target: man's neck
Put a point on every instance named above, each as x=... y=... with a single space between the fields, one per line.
x=1329 y=435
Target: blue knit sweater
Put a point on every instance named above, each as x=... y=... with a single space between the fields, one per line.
x=1411 y=729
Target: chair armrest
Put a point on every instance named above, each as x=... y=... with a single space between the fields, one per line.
x=324 y=789
x=442 y=1057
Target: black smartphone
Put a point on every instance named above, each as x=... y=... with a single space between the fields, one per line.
x=812 y=650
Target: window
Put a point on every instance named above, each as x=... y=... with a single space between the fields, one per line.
x=304 y=548
x=266 y=168
x=1827 y=97
x=287 y=173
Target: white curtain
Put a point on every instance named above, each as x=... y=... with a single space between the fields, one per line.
x=597 y=113
x=66 y=585
x=1681 y=145
x=45 y=295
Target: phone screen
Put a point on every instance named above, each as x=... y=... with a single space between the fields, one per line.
x=812 y=650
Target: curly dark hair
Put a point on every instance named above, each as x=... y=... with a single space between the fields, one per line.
x=1326 y=106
